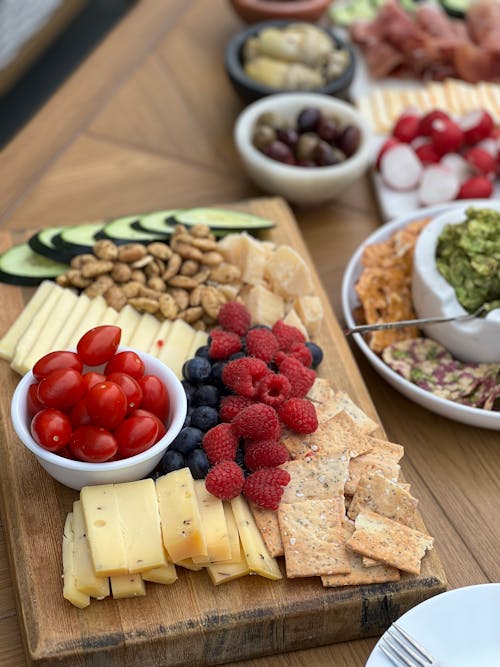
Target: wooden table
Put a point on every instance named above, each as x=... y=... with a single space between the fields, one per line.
x=144 y=124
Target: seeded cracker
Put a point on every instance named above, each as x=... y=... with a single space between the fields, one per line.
x=321 y=391
x=390 y=542
x=382 y=458
x=267 y=523
x=378 y=494
x=313 y=539
x=359 y=574
x=343 y=402
x=315 y=478
x=330 y=440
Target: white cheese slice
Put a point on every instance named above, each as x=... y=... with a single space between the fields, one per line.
x=145 y=333
x=158 y=342
x=128 y=319
x=64 y=336
x=91 y=318
x=127 y=586
x=177 y=345
x=200 y=339
x=214 y=524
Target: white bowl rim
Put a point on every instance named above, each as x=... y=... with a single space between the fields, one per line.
x=445 y=407
x=109 y=466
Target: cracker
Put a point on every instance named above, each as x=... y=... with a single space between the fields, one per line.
x=315 y=477
x=382 y=458
x=313 y=538
x=370 y=562
x=377 y=493
x=267 y=523
x=359 y=574
x=365 y=423
x=321 y=391
x=390 y=542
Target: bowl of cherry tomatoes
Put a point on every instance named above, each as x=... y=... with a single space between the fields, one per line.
x=100 y=414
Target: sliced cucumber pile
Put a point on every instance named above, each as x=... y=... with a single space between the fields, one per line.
x=220 y=220
x=21 y=266
x=123 y=231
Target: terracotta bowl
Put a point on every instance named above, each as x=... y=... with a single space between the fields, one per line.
x=252 y=11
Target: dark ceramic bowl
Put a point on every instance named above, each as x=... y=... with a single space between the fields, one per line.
x=251 y=90
x=252 y=11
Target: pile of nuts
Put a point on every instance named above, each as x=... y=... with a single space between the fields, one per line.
x=187 y=278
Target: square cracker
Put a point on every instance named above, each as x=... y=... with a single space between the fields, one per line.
x=267 y=523
x=315 y=477
x=321 y=391
x=313 y=539
x=379 y=494
x=382 y=458
x=360 y=574
x=389 y=542
x=343 y=402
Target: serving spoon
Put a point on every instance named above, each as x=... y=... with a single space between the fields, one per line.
x=364 y=328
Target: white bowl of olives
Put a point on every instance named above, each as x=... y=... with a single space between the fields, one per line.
x=305 y=147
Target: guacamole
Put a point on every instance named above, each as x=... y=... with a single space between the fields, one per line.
x=468 y=256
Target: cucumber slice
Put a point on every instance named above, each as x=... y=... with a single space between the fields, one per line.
x=43 y=243
x=455 y=8
x=21 y=266
x=121 y=231
x=155 y=222
x=79 y=238
x=220 y=220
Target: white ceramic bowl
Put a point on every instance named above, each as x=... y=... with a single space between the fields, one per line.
x=475 y=340
x=77 y=474
x=301 y=185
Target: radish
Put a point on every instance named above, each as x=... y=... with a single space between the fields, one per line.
x=446 y=136
x=477 y=187
x=490 y=145
x=388 y=143
x=476 y=125
x=400 y=168
x=426 y=153
x=458 y=165
x=406 y=128
x=438 y=185
x=481 y=161
x=425 y=127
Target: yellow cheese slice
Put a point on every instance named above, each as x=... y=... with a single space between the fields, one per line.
x=183 y=535
x=86 y=580
x=214 y=524
x=128 y=320
x=160 y=338
x=177 y=345
x=164 y=574
x=70 y=591
x=232 y=534
x=90 y=319
x=127 y=586
x=256 y=553
x=145 y=333
x=140 y=524
x=64 y=336
x=102 y=520
x=221 y=573
x=9 y=341
x=189 y=564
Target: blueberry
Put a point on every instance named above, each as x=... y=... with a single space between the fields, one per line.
x=172 y=460
x=155 y=474
x=197 y=369
x=317 y=353
x=202 y=352
x=204 y=417
x=237 y=355
x=260 y=326
x=198 y=463
x=240 y=460
x=188 y=439
x=217 y=369
x=206 y=394
x=187 y=421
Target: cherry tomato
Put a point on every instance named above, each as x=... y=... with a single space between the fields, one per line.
x=33 y=402
x=91 y=378
x=53 y=361
x=79 y=414
x=162 y=429
x=154 y=396
x=135 y=434
x=126 y=362
x=93 y=444
x=51 y=428
x=131 y=389
x=99 y=344
x=106 y=404
x=62 y=388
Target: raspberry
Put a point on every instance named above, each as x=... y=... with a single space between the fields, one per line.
x=262 y=343
x=243 y=375
x=265 y=454
x=231 y=405
x=287 y=335
x=234 y=316
x=223 y=344
x=265 y=487
x=257 y=422
x=299 y=414
x=225 y=480
x=302 y=353
x=301 y=378
x=220 y=443
x=274 y=389
x=280 y=357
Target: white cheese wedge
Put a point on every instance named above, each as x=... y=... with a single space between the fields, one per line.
x=310 y=311
x=288 y=273
x=177 y=345
x=127 y=586
x=85 y=577
x=103 y=522
x=64 y=336
x=183 y=536
x=265 y=307
x=145 y=333
x=9 y=341
x=160 y=338
x=128 y=320
x=293 y=320
x=214 y=524
x=39 y=325
x=256 y=553
x=90 y=319
x=140 y=524
x=70 y=591
x=221 y=573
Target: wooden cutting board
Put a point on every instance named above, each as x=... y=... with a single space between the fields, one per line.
x=190 y=622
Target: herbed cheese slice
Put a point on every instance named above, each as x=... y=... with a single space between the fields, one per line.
x=221 y=573
x=102 y=520
x=145 y=332
x=183 y=535
x=91 y=318
x=254 y=549
x=177 y=345
x=232 y=533
x=214 y=524
x=85 y=576
x=140 y=524
x=70 y=591
x=64 y=335
x=128 y=320
x=9 y=341
x=127 y=586
x=164 y=574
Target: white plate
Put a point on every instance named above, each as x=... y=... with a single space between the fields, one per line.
x=441 y=406
x=459 y=627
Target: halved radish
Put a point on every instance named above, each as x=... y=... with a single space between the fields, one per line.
x=477 y=187
x=481 y=161
x=425 y=127
x=458 y=165
x=476 y=125
x=438 y=185
x=446 y=136
x=388 y=143
x=406 y=128
x=400 y=168
x=426 y=153
x=490 y=145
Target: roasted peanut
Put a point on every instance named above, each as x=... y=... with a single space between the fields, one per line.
x=157 y=284
x=200 y=231
x=138 y=276
x=195 y=296
x=199 y=325
x=115 y=297
x=204 y=244
x=211 y=302
x=78 y=261
x=131 y=289
x=168 y=306
x=96 y=268
x=63 y=280
x=121 y=272
x=189 y=268
x=148 y=292
x=152 y=269
x=186 y=251
x=183 y=281
x=212 y=258
x=99 y=286
x=76 y=279
x=131 y=252
x=225 y=273
x=202 y=276
x=181 y=297
x=105 y=249
x=159 y=250
x=191 y=315
x=145 y=305
x=143 y=262
x=173 y=266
